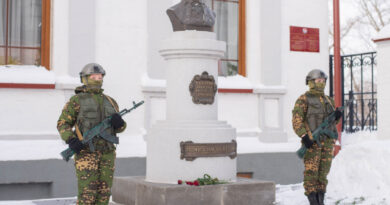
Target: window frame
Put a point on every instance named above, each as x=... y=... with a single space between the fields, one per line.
x=242 y=38
x=45 y=35
x=241 y=35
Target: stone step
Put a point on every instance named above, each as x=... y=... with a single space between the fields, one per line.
x=136 y=191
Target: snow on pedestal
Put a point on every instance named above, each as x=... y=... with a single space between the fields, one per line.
x=383 y=83
x=188 y=53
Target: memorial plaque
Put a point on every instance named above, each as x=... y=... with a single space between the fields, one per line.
x=190 y=150
x=203 y=89
x=304 y=39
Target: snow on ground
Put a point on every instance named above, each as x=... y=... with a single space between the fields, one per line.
x=360 y=174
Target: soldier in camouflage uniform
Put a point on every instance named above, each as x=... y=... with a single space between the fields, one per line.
x=309 y=112
x=94 y=169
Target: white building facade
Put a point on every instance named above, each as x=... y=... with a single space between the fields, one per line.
x=383 y=50
x=124 y=36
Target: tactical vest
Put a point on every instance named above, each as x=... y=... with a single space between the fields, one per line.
x=317 y=112
x=91 y=114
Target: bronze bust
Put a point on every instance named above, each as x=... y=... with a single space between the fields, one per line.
x=191 y=15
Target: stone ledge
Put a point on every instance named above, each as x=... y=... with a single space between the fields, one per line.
x=136 y=191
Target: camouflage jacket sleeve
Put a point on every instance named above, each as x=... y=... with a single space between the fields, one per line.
x=115 y=104
x=299 y=115
x=68 y=118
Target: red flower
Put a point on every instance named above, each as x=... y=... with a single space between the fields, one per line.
x=196 y=183
x=189 y=183
x=179 y=181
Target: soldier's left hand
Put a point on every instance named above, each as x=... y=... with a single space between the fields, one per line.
x=117 y=121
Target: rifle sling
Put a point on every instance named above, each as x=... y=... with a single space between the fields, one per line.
x=112 y=103
x=78 y=133
x=326 y=97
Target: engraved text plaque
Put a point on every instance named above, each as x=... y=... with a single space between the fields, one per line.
x=190 y=151
x=203 y=89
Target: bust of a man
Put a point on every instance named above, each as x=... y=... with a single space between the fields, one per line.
x=191 y=15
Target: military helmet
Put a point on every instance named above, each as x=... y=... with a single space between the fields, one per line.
x=314 y=74
x=91 y=68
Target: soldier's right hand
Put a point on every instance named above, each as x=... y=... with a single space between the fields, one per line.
x=338 y=114
x=307 y=141
x=75 y=145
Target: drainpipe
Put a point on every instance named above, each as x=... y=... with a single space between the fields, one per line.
x=337 y=64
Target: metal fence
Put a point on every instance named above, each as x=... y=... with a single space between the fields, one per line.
x=358 y=76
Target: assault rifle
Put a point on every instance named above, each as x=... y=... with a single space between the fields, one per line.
x=99 y=130
x=323 y=130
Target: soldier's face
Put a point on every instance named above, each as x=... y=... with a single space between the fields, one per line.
x=320 y=80
x=96 y=76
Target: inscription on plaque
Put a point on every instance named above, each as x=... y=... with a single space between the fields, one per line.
x=190 y=150
x=203 y=89
x=304 y=39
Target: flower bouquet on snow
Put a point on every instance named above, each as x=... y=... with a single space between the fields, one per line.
x=206 y=180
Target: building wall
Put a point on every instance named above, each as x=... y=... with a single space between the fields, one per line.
x=121 y=47
x=125 y=36
x=296 y=65
x=29 y=113
x=383 y=62
x=82 y=32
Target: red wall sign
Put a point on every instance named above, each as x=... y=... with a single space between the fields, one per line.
x=304 y=39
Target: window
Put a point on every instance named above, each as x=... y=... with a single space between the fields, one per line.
x=230 y=27
x=25 y=32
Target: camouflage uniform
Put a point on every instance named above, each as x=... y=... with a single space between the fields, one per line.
x=94 y=170
x=309 y=111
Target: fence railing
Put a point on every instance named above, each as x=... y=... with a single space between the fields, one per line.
x=358 y=73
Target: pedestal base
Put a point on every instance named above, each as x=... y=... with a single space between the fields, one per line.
x=136 y=191
x=164 y=163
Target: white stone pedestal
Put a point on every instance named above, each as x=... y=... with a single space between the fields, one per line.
x=242 y=192
x=188 y=53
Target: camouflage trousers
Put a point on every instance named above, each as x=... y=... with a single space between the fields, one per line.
x=94 y=172
x=318 y=161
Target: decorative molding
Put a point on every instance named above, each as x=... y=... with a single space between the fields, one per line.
x=27 y=86
x=279 y=90
x=234 y=90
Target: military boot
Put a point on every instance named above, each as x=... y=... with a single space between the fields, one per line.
x=321 y=197
x=313 y=198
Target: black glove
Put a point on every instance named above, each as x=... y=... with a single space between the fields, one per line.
x=75 y=145
x=117 y=121
x=338 y=114
x=307 y=141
